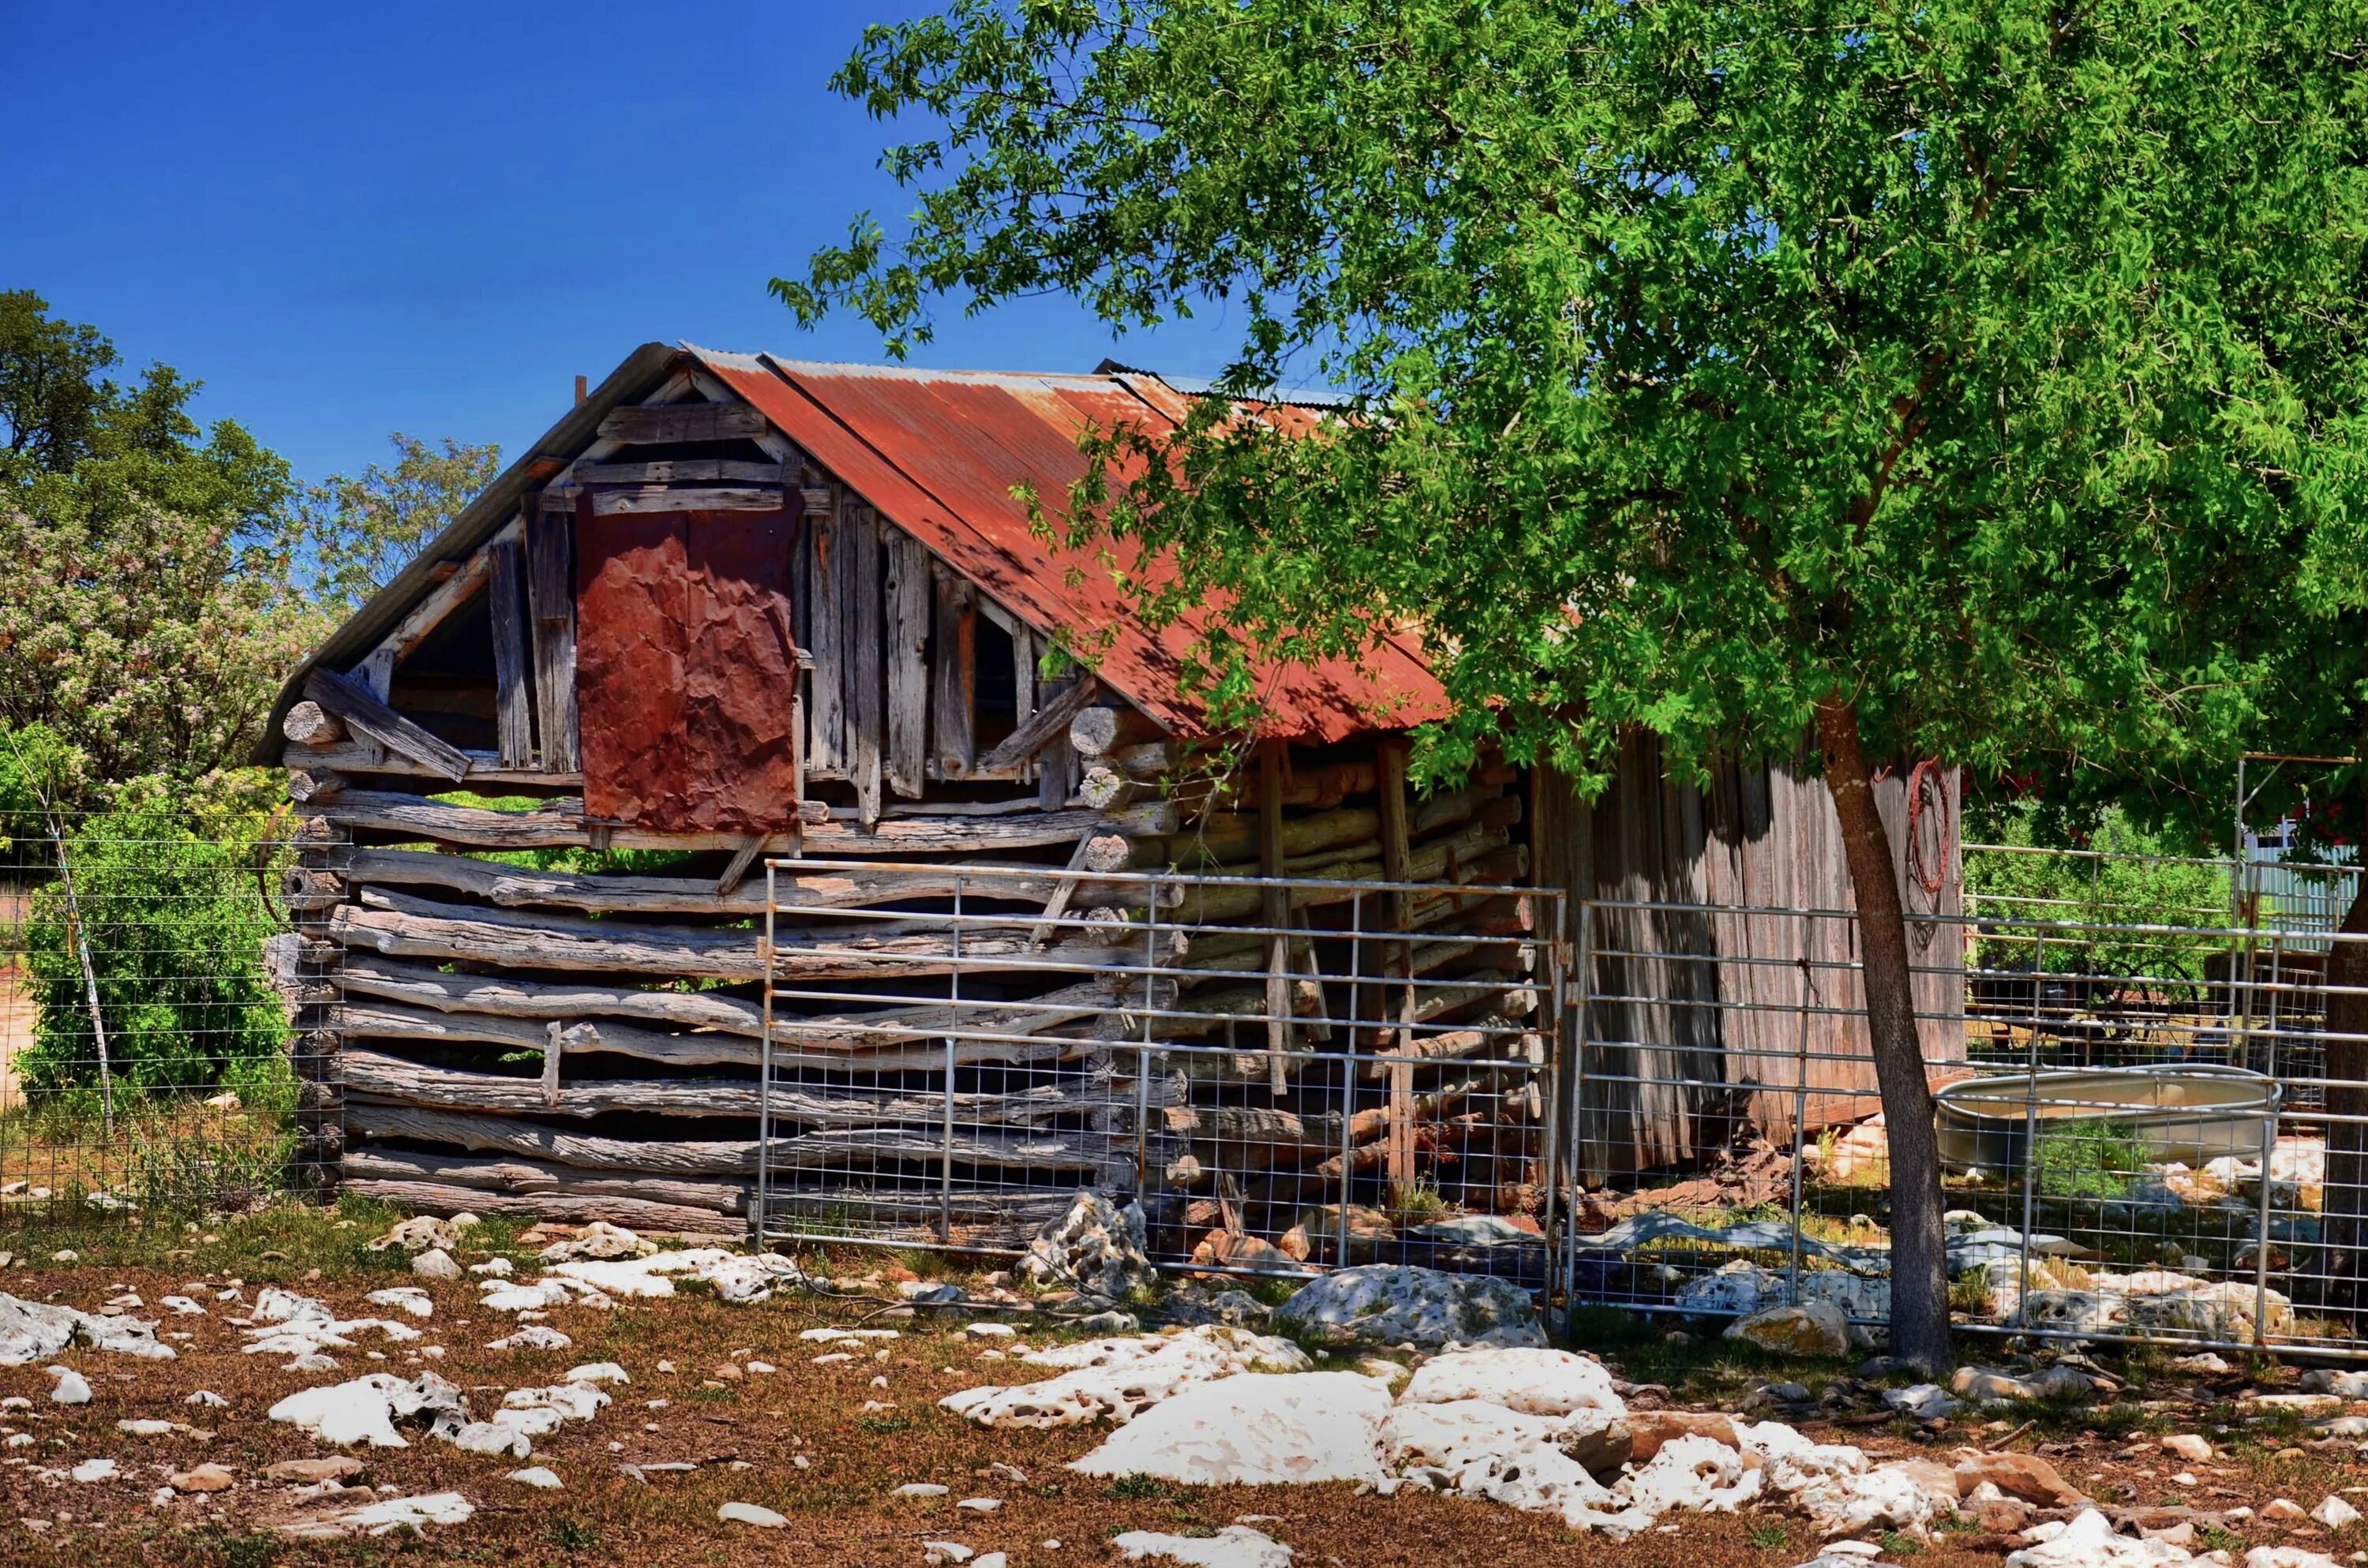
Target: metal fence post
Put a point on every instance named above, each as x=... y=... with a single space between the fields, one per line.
x=1143 y=1052
x=1582 y=985
x=2261 y=1230
x=946 y=1138
x=760 y=1212
x=1801 y=1099
x=2031 y=1128
x=1550 y=1221
x=1349 y=1069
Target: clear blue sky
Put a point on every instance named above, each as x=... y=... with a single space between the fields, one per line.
x=430 y=218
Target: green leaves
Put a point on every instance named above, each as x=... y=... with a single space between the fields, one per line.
x=1998 y=367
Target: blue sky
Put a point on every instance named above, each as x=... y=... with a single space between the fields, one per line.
x=430 y=218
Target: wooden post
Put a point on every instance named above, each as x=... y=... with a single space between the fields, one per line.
x=827 y=708
x=866 y=682
x=506 y=601
x=551 y=595
x=954 y=712
x=1272 y=759
x=1395 y=853
x=907 y=600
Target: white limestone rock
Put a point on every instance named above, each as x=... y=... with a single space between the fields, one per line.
x=1396 y=1305
x=1235 y=1546
x=1254 y=1428
x=751 y=1514
x=1117 y=1379
x=1534 y=1380
x=600 y=1240
x=384 y=1516
x=2089 y=1541
x=1095 y=1247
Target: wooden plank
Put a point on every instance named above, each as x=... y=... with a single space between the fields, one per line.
x=907 y=610
x=1273 y=761
x=681 y=424
x=395 y=1079
x=367 y=757
x=513 y=653
x=681 y=471
x=439 y=1197
x=514 y=887
x=373 y=718
x=827 y=640
x=459 y=584
x=469 y=999
x=867 y=679
x=551 y=598
x=1023 y=672
x=1058 y=904
x=1396 y=852
x=1057 y=764
x=1049 y=723
x=953 y=713
x=520 y=1176
x=508 y=1135
x=558 y=824
x=401 y=926
x=650 y=498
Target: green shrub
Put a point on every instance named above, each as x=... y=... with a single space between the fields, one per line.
x=174 y=926
x=2132 y=880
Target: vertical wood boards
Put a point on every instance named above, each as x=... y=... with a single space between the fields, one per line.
x=1391 y=769
x=907 y=602
x=1023 y=679
x=1058 y=767
x=1273 y=758
x=952 y=708
x=866 y=680
x=551 y=595
x=827 y=637
x=513 y=658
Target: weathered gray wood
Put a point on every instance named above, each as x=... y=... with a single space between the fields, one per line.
x=867 y=679
x=551 y=598
x=1096 y=732
x=650 y=498
x=1144 y=759
x=907 y=608
x=364 y=1020
x=880 y=1034
x=513 y=653
x=558 y=824
x=517 y=1176
x=377 y=1075
x=519 y=887
x=681 y=424
x=1023 y=671
x=399 y=926
x=384 y=724
x=367 y=757
x=309 y=725
x=681 y=471
x=952 y=706
x=437 y=1198
x=312 y=784
x=830 y=634
x=1048 y=725
x=510 y=1135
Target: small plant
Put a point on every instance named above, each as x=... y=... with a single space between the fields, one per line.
x=1417 y=1202
x=2090 y=1159
x=1769 y=1538
x=1896 y=1544
x=1135 y=1489
x=575 y=1535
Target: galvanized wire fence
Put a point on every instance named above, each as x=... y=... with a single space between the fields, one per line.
x=147 y=987
x=1283 y=1074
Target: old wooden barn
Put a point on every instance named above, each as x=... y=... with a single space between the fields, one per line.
x=735 y=612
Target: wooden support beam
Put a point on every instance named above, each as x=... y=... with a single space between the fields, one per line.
x=1047 y=725
x=1396 y=852
x=461 y=582
x=682 y=470
x=648 y=498
x=1097 y=731
x=513 y=653
x=1057 y=761
x=682 y=423
x=373 y=718
x=521 y=1176
x=309 y=725
x=866 y=680
x=551 y=598
x=953 y=707
x=366 y=756
x=906 y=599
x=828 y=639
x=440 y=1198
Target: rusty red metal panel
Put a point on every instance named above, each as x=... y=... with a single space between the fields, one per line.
x=686 y=663
x=937 y=452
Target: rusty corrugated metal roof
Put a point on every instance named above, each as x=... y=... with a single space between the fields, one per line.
x=938 y=453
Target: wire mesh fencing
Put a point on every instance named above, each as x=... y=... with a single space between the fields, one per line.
x=2151 y=1120
x=1284 y=1074
x=149 y=993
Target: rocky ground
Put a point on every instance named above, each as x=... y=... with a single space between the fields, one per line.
x=786 y=1425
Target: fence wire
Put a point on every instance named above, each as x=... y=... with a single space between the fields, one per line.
x=150 y=988
x=1364 y=1079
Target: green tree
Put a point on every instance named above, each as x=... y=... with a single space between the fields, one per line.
x=359 y=532
x=1928 y=379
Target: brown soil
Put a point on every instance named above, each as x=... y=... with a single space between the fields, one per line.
x=839 y=1508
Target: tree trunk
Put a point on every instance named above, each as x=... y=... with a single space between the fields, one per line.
x=2344 y=1222
x=1919 y=1281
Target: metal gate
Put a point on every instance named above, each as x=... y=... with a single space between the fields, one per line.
x=1286 y=1073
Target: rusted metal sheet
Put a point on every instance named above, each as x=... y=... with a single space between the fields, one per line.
x=939 y=452
x=686 y=665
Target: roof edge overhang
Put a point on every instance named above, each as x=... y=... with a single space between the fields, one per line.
x=643 y=371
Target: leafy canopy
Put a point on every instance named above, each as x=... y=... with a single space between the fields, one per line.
x=1969 y=362
x=358 y=531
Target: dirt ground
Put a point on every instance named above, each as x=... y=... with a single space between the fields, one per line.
x=745 y=1436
